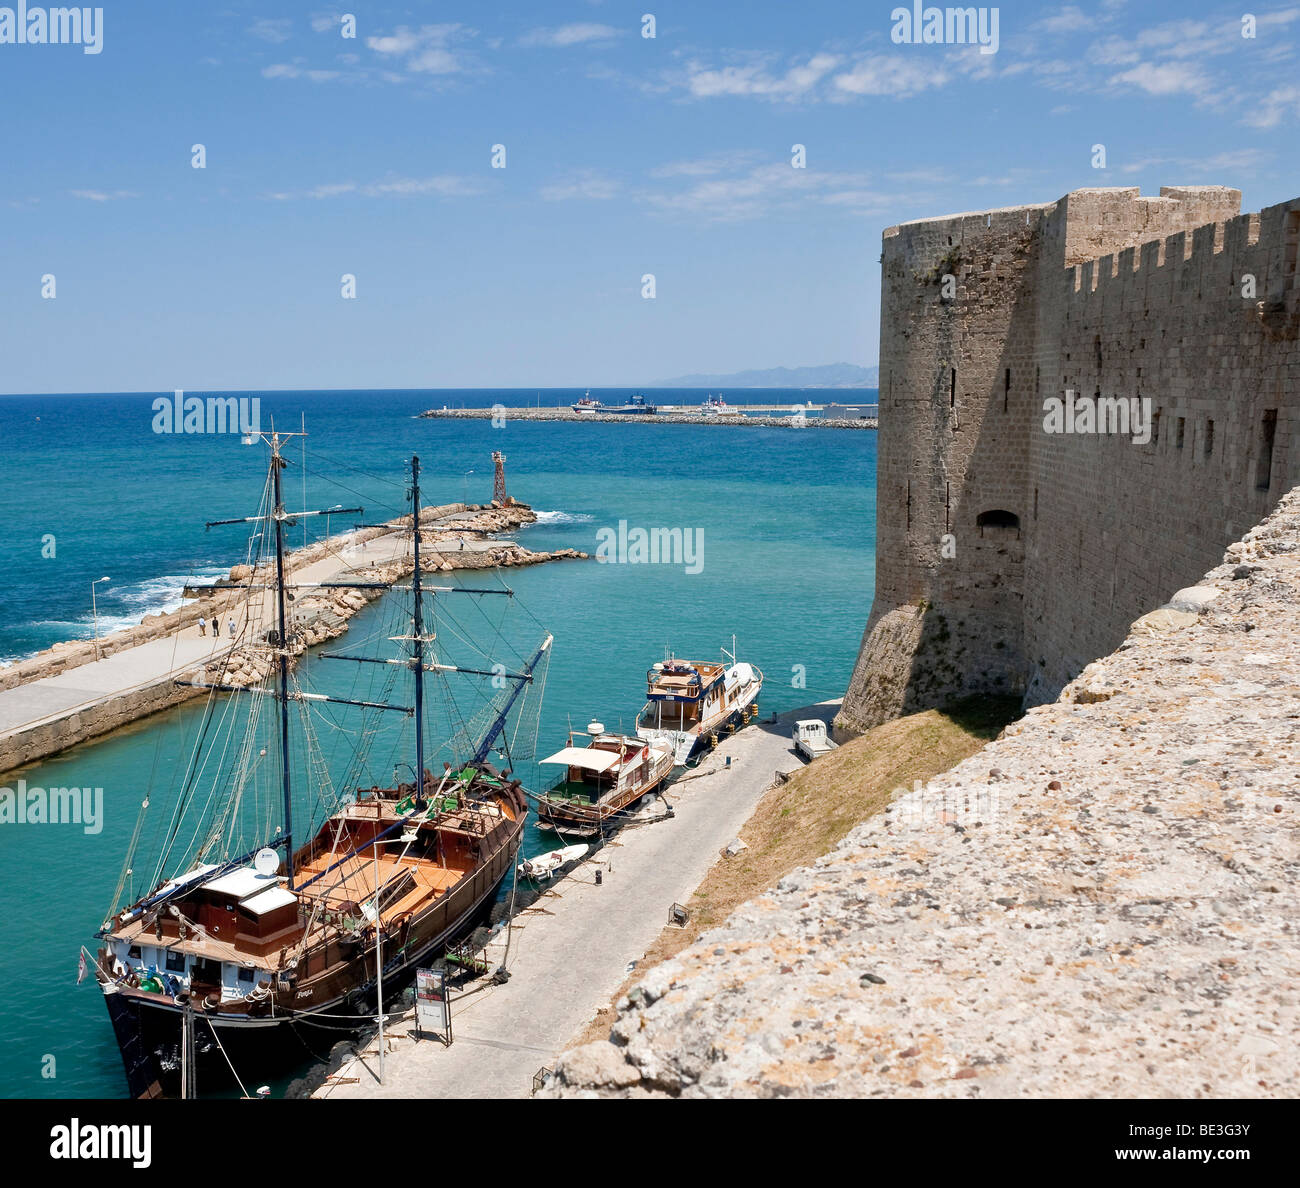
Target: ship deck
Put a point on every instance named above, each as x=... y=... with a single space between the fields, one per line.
x=354 y=881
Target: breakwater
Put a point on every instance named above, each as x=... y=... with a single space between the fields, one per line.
x=731 y=420
x=80 y=690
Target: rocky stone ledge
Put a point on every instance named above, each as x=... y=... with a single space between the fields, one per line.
x=1104 y=902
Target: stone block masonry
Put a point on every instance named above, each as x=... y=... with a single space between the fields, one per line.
x=1007 y=556
x=1103 y=902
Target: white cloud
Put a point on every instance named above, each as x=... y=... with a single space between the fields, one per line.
x=580 y=33
x=708 y=166
x=333 y=190
x=103 y=195
x=442 y=186
x=1279 y=104
x=288 y=70
x=884 y=74
x=1231 y=162
x=760 y=190
x=325 y=23
x=755 y=79
x=427 y=50
x=589 y=185
x=274 y=31
x=1165 y=78
x=1069 y=19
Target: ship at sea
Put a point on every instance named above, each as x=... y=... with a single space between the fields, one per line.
x=692 y=704
x=601 y=781
x=249 y=947
x=636 y=406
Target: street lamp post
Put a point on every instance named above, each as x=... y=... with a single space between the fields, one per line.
x=94 y=610
x=466 y=478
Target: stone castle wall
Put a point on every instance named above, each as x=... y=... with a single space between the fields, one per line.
x=1008 y=557
x=1101 y=903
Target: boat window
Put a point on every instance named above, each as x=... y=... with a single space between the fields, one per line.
x=175 y=962
x=134 y=951
x=245 y=973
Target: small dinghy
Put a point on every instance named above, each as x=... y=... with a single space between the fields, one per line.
x=545 y=865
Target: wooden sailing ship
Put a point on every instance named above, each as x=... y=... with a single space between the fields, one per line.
x=601 y=781
x=240 y=960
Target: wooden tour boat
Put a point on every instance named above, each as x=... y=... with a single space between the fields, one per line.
x=601 y=781
x=692 y=704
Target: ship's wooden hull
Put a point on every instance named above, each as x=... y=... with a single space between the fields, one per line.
x=292 y=1024
x=588 y=820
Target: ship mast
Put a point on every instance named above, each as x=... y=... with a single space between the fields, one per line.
x=417 y=657
x=281 y=518
x=282 y=632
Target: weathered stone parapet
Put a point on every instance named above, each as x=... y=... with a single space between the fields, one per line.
x=1102 y=902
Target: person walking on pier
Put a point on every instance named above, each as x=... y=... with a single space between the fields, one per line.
x=232 y=628
x=203 y=625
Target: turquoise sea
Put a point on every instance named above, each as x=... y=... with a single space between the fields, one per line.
x=786 y=519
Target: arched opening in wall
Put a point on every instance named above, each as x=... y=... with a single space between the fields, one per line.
x=998 y=521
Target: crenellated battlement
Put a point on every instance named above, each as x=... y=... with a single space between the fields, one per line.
x=1012 y=551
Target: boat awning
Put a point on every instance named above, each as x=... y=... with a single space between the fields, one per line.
x=597 y=761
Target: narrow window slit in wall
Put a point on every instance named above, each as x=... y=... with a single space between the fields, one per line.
x=1209 y=438
x=1268 y=431
x=909 y=505
x=1292 y=246
x=947 y=506
x=952 y=387
x=1006 y=389
x=1182 y=426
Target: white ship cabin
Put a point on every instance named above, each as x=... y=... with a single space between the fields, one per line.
x=607 y=763
x=206 y=935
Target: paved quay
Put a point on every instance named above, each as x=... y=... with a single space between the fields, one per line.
x=572 y=950
x=41 y=717
x=1100 y=903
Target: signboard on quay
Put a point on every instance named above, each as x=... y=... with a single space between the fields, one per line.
x=432 y=1008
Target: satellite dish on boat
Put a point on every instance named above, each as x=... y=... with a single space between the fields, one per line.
x=266 y=861
x=595 y=727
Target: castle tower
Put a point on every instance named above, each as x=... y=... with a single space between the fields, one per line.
x=1007 y=558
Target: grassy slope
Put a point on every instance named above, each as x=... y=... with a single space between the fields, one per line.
x=797 y=822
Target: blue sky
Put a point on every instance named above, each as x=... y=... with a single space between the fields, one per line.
x=624 y=155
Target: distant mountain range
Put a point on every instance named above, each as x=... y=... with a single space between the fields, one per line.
x=829 y=375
